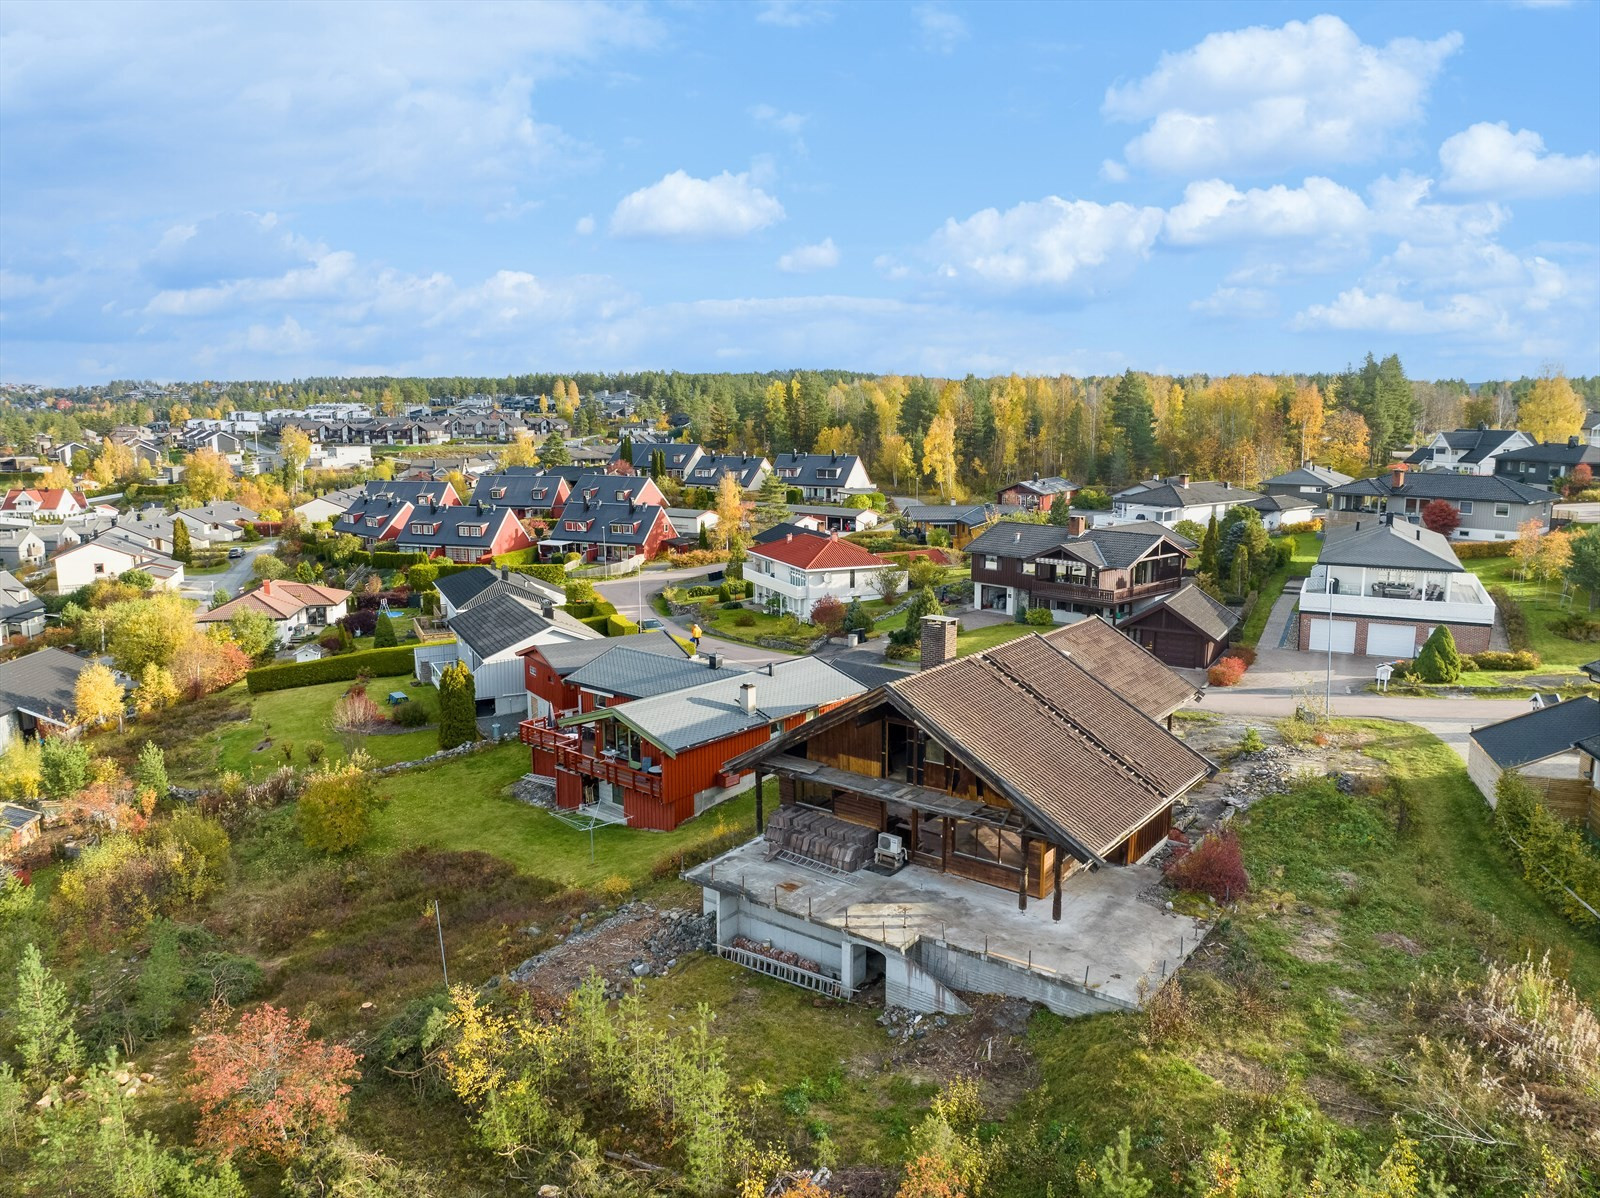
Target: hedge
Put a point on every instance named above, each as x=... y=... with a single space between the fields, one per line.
x=1555 y=858
x=620 y=626
x=1514 y=619
x=598 y=623
x=1466 y=550
x=380 y=663
x=518 y=557
x=382 y=559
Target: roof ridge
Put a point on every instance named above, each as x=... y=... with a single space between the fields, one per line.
x=1021 y=684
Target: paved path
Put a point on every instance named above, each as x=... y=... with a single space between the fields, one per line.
x=239 y=574
x=632 y=597
x=1451 y=720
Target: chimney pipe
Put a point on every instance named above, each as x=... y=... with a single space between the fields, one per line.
x=1076 y=525
x=938 y=641
x=1397 y=476
x=714 y=661
x=1183 y=480
x=747 y=698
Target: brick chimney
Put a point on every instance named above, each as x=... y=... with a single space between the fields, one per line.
x=938 y=640
x=1397 y=476
x=266 y=586
x=1183 y=480
x=1076 y=525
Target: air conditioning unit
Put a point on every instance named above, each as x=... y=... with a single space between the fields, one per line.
x=891 y=850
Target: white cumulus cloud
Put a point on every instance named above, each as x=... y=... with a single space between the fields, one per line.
x=1051 y=242
x=938 y=29
x=803 y=258
x=1261 y=98
x=1212 y=210
x=682 y=206
x=1491 y=160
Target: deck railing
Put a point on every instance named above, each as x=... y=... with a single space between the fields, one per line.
x=569 y=755
x=792 y=974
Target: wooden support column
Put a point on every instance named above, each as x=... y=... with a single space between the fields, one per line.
x=1022 y=885
x=1055 y=906
x=761 y=824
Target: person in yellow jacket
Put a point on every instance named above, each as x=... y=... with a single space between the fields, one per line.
x=694 y=636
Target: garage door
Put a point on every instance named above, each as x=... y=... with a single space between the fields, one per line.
x=1391 y=640
x=1344 y=635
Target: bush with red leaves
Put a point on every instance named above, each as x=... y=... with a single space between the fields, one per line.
x=1215 y=866
x=267 y=1086
x=361 y=623
x=1226 y=672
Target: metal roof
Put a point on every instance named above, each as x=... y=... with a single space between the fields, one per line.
x=633 y=674
x=1442 y=484
x=1308 y=475
x=1478 y=443
x=713 y=711
x=566 y=656
x=1116 y=547
x=1540 y=734
x=1195 y=494
x=1560 y=453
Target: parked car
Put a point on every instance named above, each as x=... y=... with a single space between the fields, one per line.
x=235 y=552
x=650 y=623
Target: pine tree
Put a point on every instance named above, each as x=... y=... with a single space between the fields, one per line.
x=1060 y=513
x=458 y=705
x=383 y=636
x=182 y=549
x=625 y=451
x=1439 y=660
x=40 y=1021
x=1133 y=412
x=772 y=506
x=1208 y=549
x=658 y=465
x=150 y=771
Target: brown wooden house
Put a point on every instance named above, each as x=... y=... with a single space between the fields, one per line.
x=1010 y=767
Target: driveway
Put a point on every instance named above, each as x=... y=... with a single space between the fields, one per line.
x=239 y=574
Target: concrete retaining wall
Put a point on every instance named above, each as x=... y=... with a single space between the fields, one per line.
x=985 y=975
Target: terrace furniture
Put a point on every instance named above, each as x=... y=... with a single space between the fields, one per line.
x=397 y=697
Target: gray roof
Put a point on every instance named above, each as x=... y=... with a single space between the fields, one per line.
x=43 y=684
x=1196 y=608
x=779 y=532
x=1280 y=503
x=1170 y=494
x=15 y=599
x=413 y=491
x=866 y=671
x=566 y=656
x=1559 y=453
x=970 y=514
x=675 y=455
x=223 y=511
x=518 y=489
x=701 y=714
x=1309 y=475
x=1478 y=443
x=1054 y=485
x=808 y=465
x=1109 y=548
x=708 y=471
x=452 y=522
x=829 y=509
x=16 y=536
x=1444 y=484
x=628 y=672
x=1540 y=734
x=503 y=617
x=1396 y=544
x=606 y=523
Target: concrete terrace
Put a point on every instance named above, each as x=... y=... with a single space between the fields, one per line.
x=1106 y=941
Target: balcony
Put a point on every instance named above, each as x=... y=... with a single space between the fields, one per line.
x=567 y=747
x=1053 y=589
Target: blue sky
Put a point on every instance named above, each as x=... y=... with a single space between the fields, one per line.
x=268 y=191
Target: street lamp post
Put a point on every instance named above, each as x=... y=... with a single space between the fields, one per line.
x=1327 y=698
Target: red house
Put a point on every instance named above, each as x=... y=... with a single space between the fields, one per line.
x=1037 y=494
x=465 y=533
x=662 y=760
x=609 y=532
x=547 y=668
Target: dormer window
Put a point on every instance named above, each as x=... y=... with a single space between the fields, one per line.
x=575 y=526
x=828 y=472
x=623 y=529
x=472 y=530
x=497 y=492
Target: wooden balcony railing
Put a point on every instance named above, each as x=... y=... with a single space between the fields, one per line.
x=569 y=755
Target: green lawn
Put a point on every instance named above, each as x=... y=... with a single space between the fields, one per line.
x=976 y=640
x=1301 y=999
x=466 y=804
x=1542 y=604
x=302 y=714
x=1306 y=548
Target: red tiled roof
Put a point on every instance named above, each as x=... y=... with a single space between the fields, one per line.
x=277 y=599
x=818 y=553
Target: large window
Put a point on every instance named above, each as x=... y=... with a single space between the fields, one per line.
x=993 y=845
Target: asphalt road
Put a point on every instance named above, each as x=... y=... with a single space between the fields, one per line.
x=632 y=599
x=239 y=574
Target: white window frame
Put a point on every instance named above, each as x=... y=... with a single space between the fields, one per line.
x=1502 y=509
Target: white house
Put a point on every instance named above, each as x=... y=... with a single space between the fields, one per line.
x=492 y=627
x=1468 y=450
x=334 y=455
x=801 y=569
x=823 y=477
x=1381 y=587
x=1172 y=500
x=110 y=556
x=20 y=547
x=220 y=521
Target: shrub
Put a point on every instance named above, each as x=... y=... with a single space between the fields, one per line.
x=458 y=722
x=1555 y=859
x=747 y=620
x=409 y=714
x=1039 y=617
x=360 y=623
x=1215 y=866
x=1575 y=626
x=1514 y=619
x=336 y=808
x=1226 y=672
x=1251 y=743
x=1467 y=550
x=618 y=625
x=580 y=591
x=1439 y=660
x=380 y=663
x=1245 y=653
x=1494 y=659
x=383 y=636
x=827 y=614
